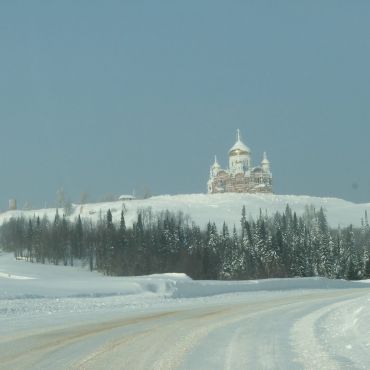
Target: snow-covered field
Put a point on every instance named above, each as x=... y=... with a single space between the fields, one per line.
x=57 y=317
x=215 y=207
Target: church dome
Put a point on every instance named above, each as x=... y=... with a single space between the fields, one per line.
x=265 y=160
x=239 y=147
x=216 y=165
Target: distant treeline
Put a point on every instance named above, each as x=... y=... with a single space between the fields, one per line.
x=284 y=245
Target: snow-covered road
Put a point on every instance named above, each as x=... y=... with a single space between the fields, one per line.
x=277 y=330
x=59 y=317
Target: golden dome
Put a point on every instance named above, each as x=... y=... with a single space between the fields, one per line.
x=236 y=152
x=239 y=147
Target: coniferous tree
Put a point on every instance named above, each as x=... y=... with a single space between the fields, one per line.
x=65 y=244
x=367 y=268
x=279 y=246
x=121 y=265
x=56 y=252
x=30 y=241
x=111 y=246
x=37 y=246
x=78 y=239
x=227 y=253
x=211 y=260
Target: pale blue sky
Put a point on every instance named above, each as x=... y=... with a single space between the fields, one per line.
x=108 y=96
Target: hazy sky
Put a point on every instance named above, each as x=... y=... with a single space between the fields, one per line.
x=108 y=96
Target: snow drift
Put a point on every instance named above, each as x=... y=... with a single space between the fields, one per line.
x=33 y=280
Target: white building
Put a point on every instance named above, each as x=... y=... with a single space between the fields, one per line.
x=126 y=197
x=241 y=176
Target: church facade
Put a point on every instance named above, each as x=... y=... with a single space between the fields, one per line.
x=241 y=176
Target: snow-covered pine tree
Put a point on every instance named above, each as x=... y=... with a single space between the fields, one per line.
x=227 y=254
x=56 y=250
x=29 y=240
x=121 y=248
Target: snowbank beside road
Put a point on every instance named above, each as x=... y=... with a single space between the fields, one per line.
x=192 y=289
x=335 y=333
x=346 y=329
x=50 y=281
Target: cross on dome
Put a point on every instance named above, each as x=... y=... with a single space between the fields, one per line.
x=239 y=148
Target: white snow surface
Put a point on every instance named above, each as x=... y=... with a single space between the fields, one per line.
x=22 y=279
x=213 y=207
x=58 y=317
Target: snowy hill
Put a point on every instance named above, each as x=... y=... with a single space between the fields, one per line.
x=215 y=207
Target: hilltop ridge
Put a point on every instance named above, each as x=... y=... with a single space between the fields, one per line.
x=212 y=207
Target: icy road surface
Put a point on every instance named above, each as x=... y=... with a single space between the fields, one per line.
x=56 y=317
x=291 y=330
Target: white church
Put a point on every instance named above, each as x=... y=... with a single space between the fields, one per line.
x=241 y=176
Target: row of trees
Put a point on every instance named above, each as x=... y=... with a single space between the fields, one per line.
x=285 y=245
